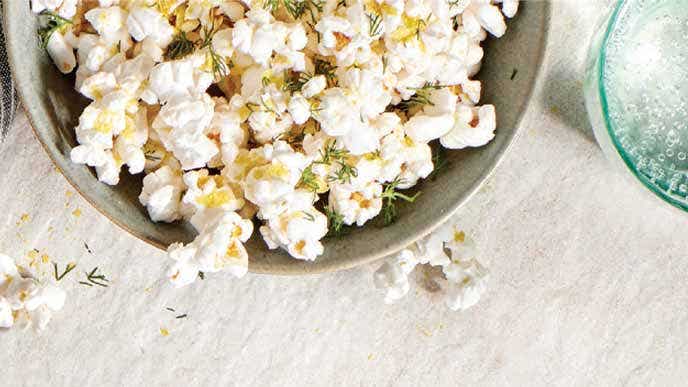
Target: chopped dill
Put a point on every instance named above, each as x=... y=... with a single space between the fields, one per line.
x=93 y=278
x=181 y=316
x=331 y=153
x=70 y=266
x=335 y=223
x=389 y=198
x=344 y=173
x=439 y=160
x=375 y=24
x=421 y=98
x=180 y=47
x=309 y=179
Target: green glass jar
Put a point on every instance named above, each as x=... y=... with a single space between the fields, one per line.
x=636 y=92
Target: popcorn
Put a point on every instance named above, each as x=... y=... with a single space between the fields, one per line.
x=332 y=105
x=266 y=183
x=404 y=158
x=392 y=276
x=61 y=52
x=356 y=205
x=473 y=127
x=145 y=22
x=218 y=247
x=180 y=78
x=465 y=277
x=110 y=24
x=297 y=230
x=314 y=86
x=23 y=300
x=209 y=194
x=64 y=8
x=470 y=281
x=181 y=125
x=478 y=14
x=161 y=194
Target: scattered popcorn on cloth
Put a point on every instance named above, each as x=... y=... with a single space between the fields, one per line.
x=466 y=278
x=24 y=301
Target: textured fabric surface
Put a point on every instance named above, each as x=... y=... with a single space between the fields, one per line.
x=8 y=107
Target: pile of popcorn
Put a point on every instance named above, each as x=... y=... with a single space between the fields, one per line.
x=285 y=110
x=466 y=277
x=25 y=302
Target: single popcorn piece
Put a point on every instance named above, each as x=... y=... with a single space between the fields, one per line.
x=218 y=247
x=469 y=282
x=392 y=276
x=356 y=204
x=298 y=229
x=23 y=300
x=474 y=126
x=145 y=22
x=161 y=194
x=61 y=52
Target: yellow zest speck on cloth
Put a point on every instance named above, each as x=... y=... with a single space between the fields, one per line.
x=77 y=212
x=164 y=332
x=69 y=193
x=23 y=219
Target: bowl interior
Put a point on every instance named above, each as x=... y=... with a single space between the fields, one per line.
x=509 y=71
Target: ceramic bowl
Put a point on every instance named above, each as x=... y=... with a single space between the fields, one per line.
x=509 y=73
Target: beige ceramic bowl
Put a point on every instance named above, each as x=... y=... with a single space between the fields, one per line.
x=509 y=72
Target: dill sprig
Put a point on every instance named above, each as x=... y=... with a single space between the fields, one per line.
x=331 y=153
x=70 y=266
x=219 y=66
x=93 y=278
x=309 y=216
x=180 y=47
x=296 y=8
x=201 y=275
x=439 y=159
x=50 y=23
x=375 y=24
x=389 y=197
x=344 y=173
x=309 y=179
x=335 y=223
x=295 y=81
x=271 y=5
x=421 y=98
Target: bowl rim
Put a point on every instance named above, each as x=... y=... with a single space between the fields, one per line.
x=335 y=266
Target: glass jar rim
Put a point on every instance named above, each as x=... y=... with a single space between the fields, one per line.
x=611 y=24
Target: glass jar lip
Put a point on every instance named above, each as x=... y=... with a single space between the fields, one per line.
x=608 y=122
